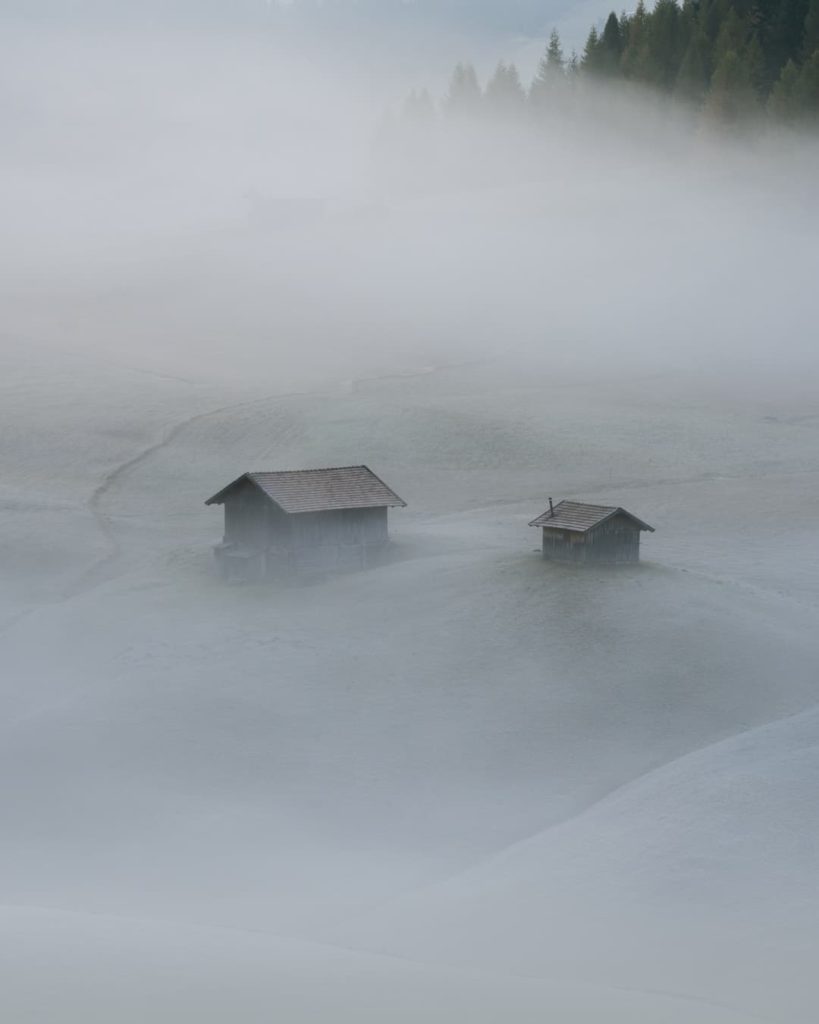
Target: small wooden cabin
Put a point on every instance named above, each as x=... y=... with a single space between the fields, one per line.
x=302 y=520
x=602 y=534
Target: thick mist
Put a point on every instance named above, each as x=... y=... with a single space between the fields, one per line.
x=465 y=783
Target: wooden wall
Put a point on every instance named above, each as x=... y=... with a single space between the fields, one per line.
x=342 y=539
x=617 y=541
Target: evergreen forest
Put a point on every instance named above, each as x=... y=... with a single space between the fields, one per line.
x=734 y=61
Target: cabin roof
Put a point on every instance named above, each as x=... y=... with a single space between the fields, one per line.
x=581 y=517
x=318 y=490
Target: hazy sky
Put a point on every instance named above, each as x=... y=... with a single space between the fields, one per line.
x=418 y=29
x=216 y=188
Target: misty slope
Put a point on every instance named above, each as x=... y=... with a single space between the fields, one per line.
x=710 y=860
x=100 y=969
x=66 y=422
x=287 y=759
x=257 y=725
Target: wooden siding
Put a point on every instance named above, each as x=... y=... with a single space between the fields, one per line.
x=616 y=541
x=345 y=539
x=246 y=518
x=261 y=540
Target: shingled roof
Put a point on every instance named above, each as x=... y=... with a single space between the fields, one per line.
x=319 y=490
x=581 y=517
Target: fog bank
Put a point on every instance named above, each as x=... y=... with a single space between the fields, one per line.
x=465 y=783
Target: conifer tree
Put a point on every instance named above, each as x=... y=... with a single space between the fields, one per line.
x=464 y=97
x=782 y=102
x=810 y=33
x=711 y=15
x=504 y=93
x=731 y=98
x=611 y=46
x=692 y=78
x=806 y=90
x=551 y=73
x=666 y=43
x=782 y=29
x=757 y=66
x=733 y=35
x=634 y=61
x=591 y=59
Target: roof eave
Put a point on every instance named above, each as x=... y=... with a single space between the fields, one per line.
x=398 y=503
x=339 y=508
x=219 y=497
x=561 y=526
x=633 y=518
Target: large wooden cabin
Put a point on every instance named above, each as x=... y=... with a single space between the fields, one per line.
x=302 y=520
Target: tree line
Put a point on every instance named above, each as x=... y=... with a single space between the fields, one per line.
x=732 y=59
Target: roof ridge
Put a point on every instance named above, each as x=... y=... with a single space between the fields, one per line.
x=585 y=504
x=315 y=469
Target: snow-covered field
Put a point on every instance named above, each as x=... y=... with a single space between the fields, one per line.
x=462 y=784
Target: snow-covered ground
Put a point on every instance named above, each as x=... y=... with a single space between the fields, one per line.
x=514 y=788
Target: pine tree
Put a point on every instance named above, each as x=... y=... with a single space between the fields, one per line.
x=555 y=63
x=464 y=97
x=692 y=78
x=551 y=73
x=782 y=102
x=591 y=59
x=810 y=33
x=806 y=90
x=634 y=61
x=732 y=98
x=733 y=35
x=666 y=43
x=709 y=19
x=757 y=67
x=611 y=46
x=517 y=94
x=504 y=93
x=782 y=31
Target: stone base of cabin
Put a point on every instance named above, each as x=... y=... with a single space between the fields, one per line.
x=240 y=564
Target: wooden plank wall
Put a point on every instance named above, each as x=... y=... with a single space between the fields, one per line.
x=616 y=541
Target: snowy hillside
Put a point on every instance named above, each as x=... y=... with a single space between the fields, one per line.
x=706 y=868
x=288 y=760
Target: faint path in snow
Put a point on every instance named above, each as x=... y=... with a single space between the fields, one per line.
x=99 y=570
